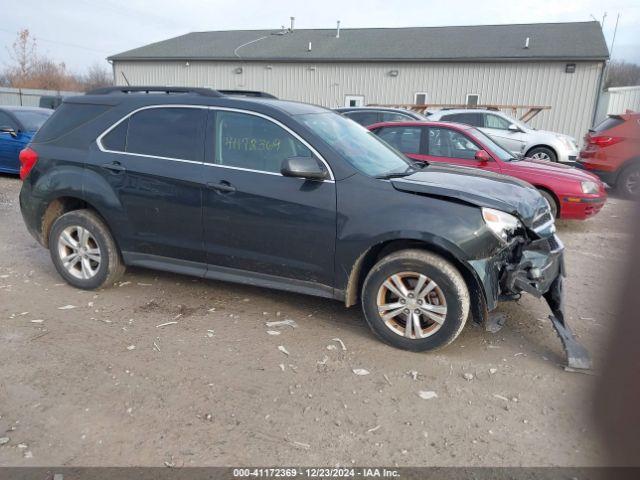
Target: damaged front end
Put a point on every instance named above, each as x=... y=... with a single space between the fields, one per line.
x=532 y=261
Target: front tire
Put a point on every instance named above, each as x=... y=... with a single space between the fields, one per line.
x=542 y=153
x=83 y=250
x=415 y=300
x=628 y=183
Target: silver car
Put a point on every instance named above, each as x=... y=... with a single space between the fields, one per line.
x=514 y=135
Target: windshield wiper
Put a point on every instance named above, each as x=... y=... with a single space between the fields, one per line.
x=388 y=175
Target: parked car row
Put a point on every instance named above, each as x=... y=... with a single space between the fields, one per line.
x=611 y=152
x=295 y=197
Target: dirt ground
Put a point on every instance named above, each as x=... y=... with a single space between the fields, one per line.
x=93 y=379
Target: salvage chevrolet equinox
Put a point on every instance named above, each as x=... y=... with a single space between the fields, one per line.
x=289 y=196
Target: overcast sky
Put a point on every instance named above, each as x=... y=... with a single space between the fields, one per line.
x=83 y=32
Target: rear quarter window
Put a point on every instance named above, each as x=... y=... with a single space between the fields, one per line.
x=66 y=118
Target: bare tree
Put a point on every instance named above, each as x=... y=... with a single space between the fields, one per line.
x=23 y=54
x=97 y=76
x=622 y=74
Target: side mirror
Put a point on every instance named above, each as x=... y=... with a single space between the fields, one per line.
x=10 y=130
x=482 y=156
x=303 y=167
x=514 y=128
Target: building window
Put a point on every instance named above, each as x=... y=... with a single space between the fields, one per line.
x=473 y=99
x=354 y=100
x=421 y=98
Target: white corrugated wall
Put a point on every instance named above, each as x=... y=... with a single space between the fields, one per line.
x=572 y=96
x=622 y=99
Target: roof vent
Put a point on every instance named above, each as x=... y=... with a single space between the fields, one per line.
x=293 y=22
x=309 y=47
x=526 y=43
x=338 y=30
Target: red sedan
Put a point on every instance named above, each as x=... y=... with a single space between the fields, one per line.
x=572 y=193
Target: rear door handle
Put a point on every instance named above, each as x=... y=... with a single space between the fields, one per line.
x=222 y=187
x=115 y=167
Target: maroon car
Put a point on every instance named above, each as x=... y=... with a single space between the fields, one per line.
x=572 y=193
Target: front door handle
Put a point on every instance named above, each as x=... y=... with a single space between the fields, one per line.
x=222 y=187
x=115 y=167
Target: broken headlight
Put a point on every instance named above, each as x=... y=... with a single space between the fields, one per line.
x=502 y=224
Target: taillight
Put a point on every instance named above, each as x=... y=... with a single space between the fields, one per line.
x=28 y=159
x=603 y=140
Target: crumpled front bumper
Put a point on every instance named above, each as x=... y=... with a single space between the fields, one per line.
x=536 y=268
x=541 y=263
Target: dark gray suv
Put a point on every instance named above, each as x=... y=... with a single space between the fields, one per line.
x=289 y=196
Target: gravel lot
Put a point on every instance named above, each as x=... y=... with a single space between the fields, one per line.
x=91 y=378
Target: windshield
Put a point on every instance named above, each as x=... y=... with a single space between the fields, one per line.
x=31 y=120
x=496 y=149
x=361 y=148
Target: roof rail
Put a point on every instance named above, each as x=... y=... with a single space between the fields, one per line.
x=247 y=93
x=205 y=92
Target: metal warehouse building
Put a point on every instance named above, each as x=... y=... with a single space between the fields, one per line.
x=558 y=65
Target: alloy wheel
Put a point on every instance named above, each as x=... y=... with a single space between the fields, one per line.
x=541 y=156
x=411 y=305
x=79 y=252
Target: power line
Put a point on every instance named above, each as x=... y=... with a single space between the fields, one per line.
x=72 y=45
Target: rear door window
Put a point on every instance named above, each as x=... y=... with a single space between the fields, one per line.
x=474 y=119
x=175 y=133
x=395 y=117
x=254 y=143
x=404 y=139
x=364 y=118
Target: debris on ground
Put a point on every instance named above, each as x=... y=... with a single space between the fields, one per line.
x=387 y=379
x=4 y=440
x=331 y=347
x=344 y=348
x=67 y=307
x=273 y=332
x=427 y=394
x=283 y=350
x=155 y=346
x=468 y=376
x=371 y=430
x=360 y=371
x=500 y=397
x=131 y=347
x=282 y=323
x=493 y=370
x=210 y=333
x=28 y=454
x=37 y=321
x=165 y=324
x=413 y=374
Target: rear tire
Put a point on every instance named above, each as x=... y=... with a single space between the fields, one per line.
x=552 y=202
x=83 y=250
x=542 y=153
x=419 y=271
x=628 y=182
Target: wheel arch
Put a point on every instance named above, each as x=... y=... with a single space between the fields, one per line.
x=371 y=256
x=553 y=195
x=65 y=204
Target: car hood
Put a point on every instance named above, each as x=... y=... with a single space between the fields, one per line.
x=551 y=169
x=476 y=187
